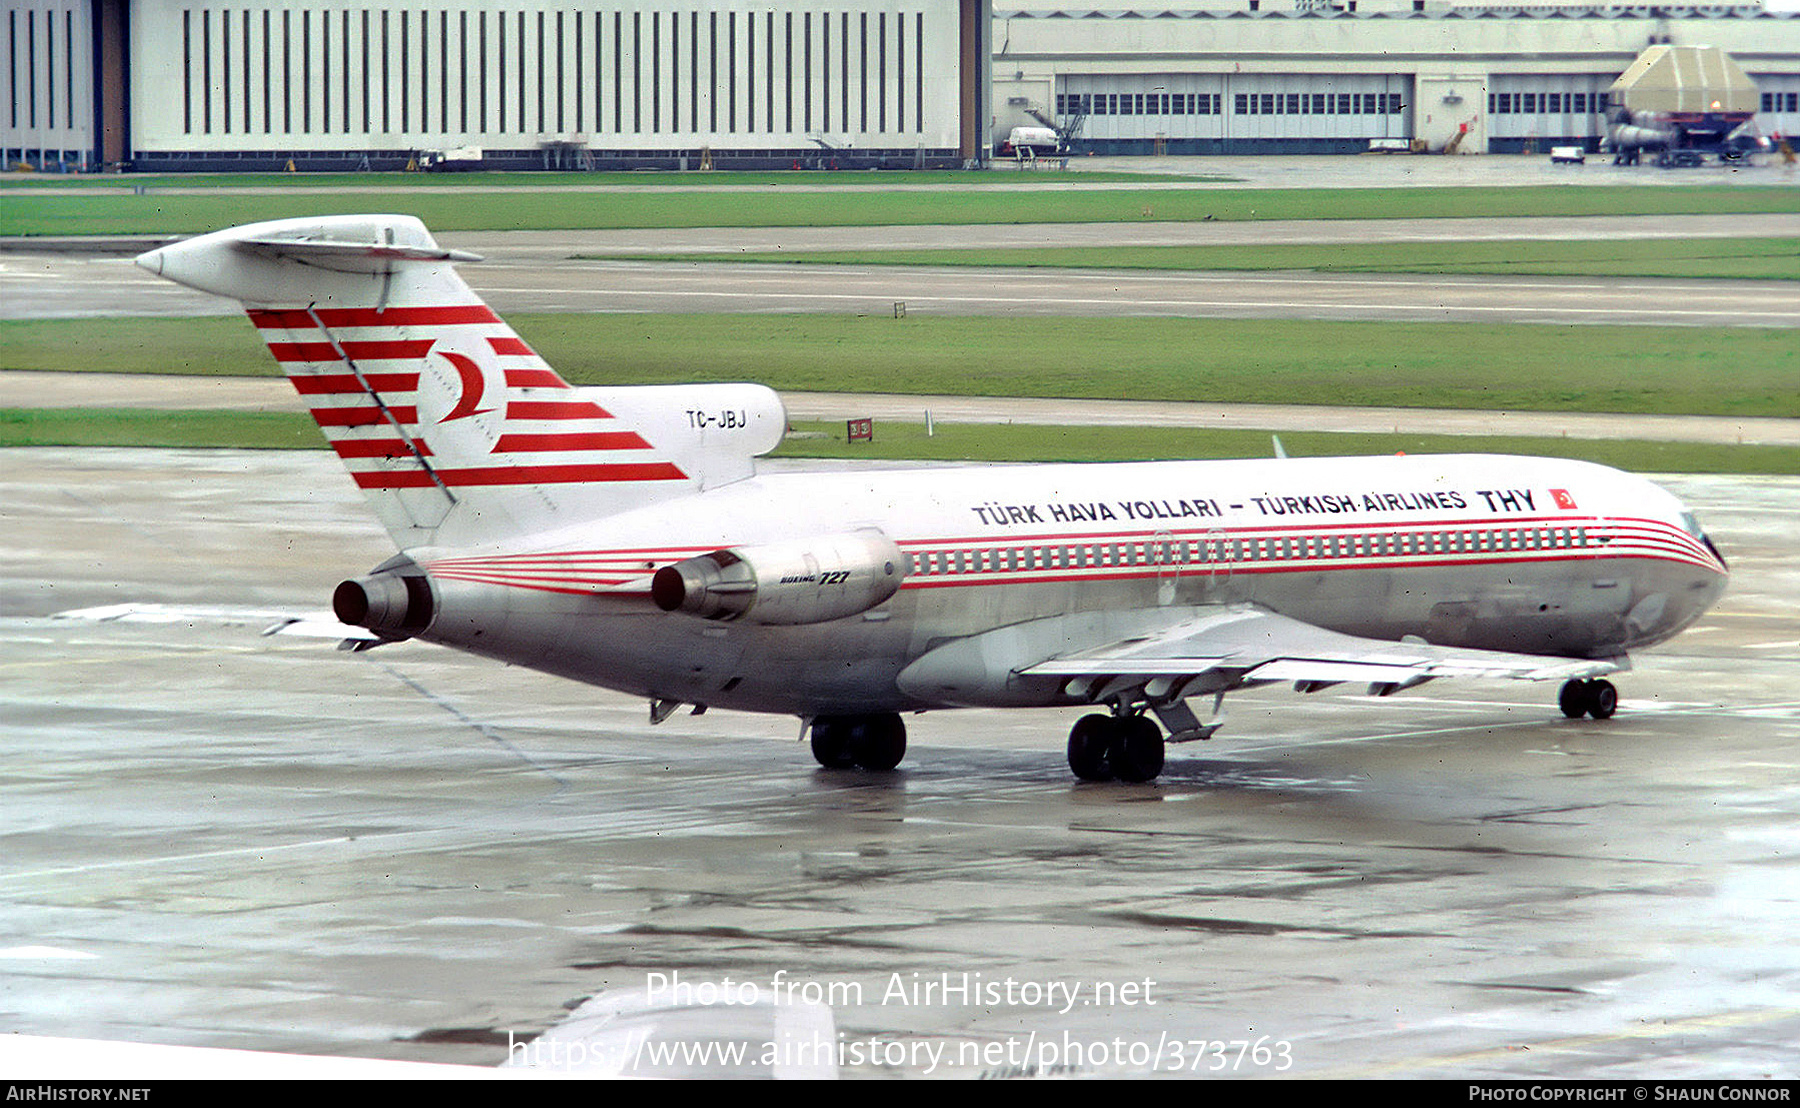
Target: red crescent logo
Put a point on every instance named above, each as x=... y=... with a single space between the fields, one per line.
x=474 y=386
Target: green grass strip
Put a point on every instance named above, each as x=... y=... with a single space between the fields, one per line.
x=142 y=427
x=1755 y=259
x=124 y=427
x=550 y=181
x=83 y=212
x=1039 y=443
x=1742 y=371
x=204 y=346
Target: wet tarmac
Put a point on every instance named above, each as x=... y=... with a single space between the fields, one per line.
x=216 y=838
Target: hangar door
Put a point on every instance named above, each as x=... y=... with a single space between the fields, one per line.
x=1528 y=111
x=1778 y=104
x=1227 y=112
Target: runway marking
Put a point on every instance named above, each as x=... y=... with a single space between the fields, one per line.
x=562 y=784
x=44 y=954
x=1250 y=747
x=235 y=852
x=161 y=651
x=1538 y=716
x=677 y=815
x=1077 y=273
x=1775 y=320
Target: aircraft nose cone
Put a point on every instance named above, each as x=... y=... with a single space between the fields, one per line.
x=151 y=260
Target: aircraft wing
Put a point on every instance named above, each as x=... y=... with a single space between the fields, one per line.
x=318 y=625
x=1245 y=645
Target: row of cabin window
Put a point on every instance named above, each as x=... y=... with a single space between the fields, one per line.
x=1202 y=552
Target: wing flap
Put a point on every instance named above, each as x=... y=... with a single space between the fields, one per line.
x=1245 y=645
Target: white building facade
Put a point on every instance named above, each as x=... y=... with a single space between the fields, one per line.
x=256 y=84
x=1262 y=78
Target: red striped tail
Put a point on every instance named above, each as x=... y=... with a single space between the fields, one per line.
x=445 y=399
x=454 y=427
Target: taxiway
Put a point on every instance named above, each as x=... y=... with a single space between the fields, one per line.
x=538 y=272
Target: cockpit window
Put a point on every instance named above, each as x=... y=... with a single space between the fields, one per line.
x=1691 y=525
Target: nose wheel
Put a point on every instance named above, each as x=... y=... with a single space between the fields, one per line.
x=1597 y=698
x=1123 y=748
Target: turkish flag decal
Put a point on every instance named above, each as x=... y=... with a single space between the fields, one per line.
x=1562 y=498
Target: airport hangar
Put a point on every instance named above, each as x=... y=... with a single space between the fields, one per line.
x=255 y=85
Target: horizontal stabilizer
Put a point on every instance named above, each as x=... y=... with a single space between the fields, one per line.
x=346 y=255
x=236 y=262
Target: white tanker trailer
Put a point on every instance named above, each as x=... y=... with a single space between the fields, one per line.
x=1683 y=103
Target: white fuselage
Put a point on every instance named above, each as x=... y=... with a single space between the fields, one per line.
x=1527 y=555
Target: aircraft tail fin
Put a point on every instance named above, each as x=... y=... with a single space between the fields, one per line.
x=455 y=429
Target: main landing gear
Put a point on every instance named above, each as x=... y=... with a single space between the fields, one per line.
x=1125 y=747
x=873 y=742
x=1595 y=698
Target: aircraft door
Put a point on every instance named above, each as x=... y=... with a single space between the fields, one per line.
x=1168 y=555
x=1217 y=551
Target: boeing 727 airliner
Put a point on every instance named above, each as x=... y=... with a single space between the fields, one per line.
x=622 y=536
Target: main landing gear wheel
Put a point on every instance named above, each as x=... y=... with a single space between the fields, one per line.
x=1126 y=748
x=875 y=742
x=1137 y=754
x=1090 y=748
x=1597 y=698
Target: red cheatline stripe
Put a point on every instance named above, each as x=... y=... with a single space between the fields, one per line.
x=372 y=317
x=591 y=440
x=325 y=352
x=587 y=590
x=523 y=475
x=319 y=384
x=510 y=345
x=614 y=561
x=378 y=448
x=554 y=409
x=362 y=416
x=535 y=379
x=530 y=580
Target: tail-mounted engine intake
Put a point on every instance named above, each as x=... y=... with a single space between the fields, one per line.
x=394 y=600
x=809 y=581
